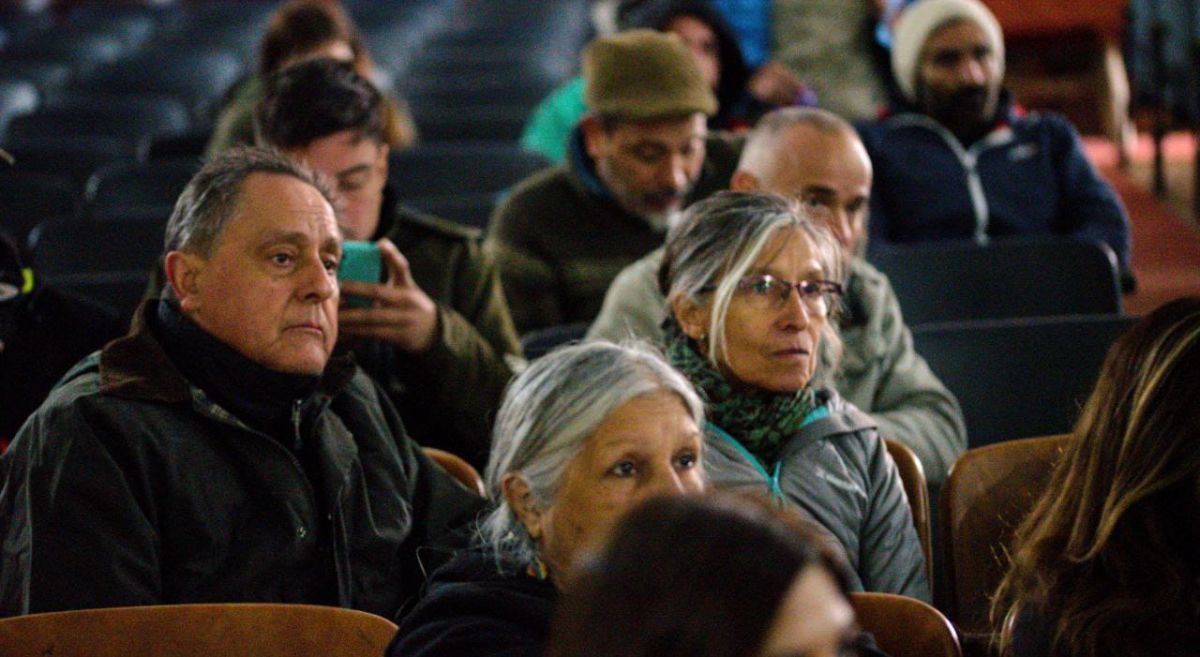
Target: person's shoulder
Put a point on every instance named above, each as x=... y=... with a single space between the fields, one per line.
x=75 y=400
x=842 y=418
x=1042 y=123
x=542 y=199
x=555 y=179
x=869 y=293
x=471 y=603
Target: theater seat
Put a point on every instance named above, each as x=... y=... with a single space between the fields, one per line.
x=199 y=630
x=138 y=188
x=905 y=627
x=1038 y=277
x=1019 y=378
x=457 y=169
x=989 y=491
x=912 y=476
x=29 y=198
x=65 y=247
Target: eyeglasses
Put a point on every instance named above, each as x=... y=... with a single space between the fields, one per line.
x=770 y=293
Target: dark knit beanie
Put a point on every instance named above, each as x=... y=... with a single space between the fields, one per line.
x=643 y=75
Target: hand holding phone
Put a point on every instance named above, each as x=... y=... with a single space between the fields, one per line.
x=398 y=311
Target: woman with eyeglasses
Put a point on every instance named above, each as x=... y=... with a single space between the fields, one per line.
x=753 y=285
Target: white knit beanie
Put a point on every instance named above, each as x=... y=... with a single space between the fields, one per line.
x=920 y=20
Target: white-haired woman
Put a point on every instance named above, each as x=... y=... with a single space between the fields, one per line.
x=752 y=284
x=583 y=434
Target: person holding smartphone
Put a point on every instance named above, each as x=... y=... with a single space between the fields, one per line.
x=433 y=327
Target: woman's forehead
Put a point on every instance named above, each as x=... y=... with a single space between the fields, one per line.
x=790 y=250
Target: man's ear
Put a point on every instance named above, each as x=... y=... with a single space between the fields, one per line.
x=183 y=272
x=691 y=317
x=744 y=181
x=520 y=499
x=595 y=137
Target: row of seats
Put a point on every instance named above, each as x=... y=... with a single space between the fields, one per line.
x=904 y=627
x=107 y=111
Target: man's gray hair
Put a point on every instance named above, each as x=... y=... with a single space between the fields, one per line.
x=760 y=155
x=210 y=198
x=548 y=414
x=718 y=240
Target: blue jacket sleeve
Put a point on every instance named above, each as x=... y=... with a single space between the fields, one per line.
x=1089 y=207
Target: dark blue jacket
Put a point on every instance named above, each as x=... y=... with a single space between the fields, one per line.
x=1028 y=176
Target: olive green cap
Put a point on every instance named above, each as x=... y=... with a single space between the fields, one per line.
x=644 y=75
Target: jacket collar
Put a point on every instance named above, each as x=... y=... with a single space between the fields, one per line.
x=137 y=367
x=583 y=176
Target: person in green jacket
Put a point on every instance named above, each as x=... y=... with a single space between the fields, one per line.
x=641 y=154
x=438 y=336
x=221 y=452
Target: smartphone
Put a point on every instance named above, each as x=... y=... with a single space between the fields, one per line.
x=361 y=261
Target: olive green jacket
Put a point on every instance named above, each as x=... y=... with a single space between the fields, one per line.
x=448 y=395
x=560 y=238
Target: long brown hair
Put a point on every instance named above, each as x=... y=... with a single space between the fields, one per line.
x=1110 y=554
x=301 y=26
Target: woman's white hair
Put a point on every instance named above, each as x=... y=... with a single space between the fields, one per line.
x=718 y=240
x=547 y=416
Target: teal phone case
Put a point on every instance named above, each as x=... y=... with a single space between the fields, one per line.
x=361 y=261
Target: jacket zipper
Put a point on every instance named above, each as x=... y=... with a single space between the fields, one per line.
x=297 y=443
x=772 y=478
x=969 y=159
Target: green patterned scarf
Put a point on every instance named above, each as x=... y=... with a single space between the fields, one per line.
x=761 y=421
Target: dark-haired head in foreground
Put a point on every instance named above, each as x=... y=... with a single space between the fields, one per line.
x=711 y=576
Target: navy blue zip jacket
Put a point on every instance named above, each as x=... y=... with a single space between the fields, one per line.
x=1027 y=176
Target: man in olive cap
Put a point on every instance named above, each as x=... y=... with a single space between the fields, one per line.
x=639 y=155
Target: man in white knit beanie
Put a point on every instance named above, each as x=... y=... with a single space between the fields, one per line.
x=956 y=158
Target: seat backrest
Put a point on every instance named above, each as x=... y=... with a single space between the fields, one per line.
x=133 y=186
x=458 y=468
x=29 y=197
x=491 y=123
x=69 y=155
x=133 y=118
x=1006 y=278
x=17 y=97
x=76 y=247
x=1019 y=378
x=905 y=627
x=912 y=475
x=199 y=630
x=989 y=492
x=460 y=168
x=473 y=210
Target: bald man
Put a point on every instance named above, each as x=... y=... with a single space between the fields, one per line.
x=816 y=158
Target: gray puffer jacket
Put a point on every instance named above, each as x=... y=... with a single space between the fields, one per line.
x=837 y=469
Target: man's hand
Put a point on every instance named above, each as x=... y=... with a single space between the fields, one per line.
x=401 y=314
x=776 y=84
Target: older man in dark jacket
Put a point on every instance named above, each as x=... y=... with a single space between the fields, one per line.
x=218 y=453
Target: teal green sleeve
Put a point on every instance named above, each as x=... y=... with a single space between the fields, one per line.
x=553 y=120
